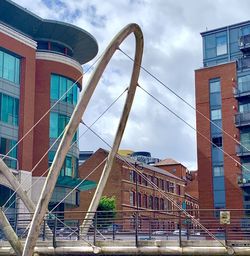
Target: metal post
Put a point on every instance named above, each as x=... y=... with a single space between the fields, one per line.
x=78 y=229
x=95 y=227
x=180 y=243
x=113 y=230
x=54 y=233
x=44 y=229
x=137 y=208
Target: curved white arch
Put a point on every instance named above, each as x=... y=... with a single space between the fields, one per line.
x=74 y=123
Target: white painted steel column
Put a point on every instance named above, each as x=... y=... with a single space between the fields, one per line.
x=74 y=123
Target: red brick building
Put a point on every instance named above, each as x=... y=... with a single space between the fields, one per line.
x=132 y=195
x=40 y=61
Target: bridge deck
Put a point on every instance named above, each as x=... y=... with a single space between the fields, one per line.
x=156 y=247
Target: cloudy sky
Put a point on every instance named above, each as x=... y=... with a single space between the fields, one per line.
x=173 y=50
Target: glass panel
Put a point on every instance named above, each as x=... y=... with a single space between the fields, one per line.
x=221 y=45
x=218 y=171
x=17 y=72
x=215 y=99
x=9 y=67
x=245 y=30
x=4 y=108
x=68 y=166
x=214 y=129
x=63 y=87
x=216 y=114
x=215 y=86
x=75 y=94
x=244 y=83
x=53 y=131
x=69 y=97
x=54 y=87
x=243 y=108
x=217 y=155
x=1 y=64
x=219 y=197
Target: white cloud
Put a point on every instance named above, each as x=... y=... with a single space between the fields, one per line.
x=173 y=50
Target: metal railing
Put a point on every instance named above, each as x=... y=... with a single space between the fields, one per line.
x=242 y=89
x=242 y=119
x=136 y=226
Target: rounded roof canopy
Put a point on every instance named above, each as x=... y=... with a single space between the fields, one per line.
x=82 y=43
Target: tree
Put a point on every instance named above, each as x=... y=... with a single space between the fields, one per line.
x=106 y=211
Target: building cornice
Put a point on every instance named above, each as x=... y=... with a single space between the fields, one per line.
x=59 y=58
x=18 y=36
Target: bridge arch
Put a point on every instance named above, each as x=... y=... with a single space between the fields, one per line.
x=74 y=123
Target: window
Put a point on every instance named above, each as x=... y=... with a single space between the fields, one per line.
x=171 y=187
x=178 y=189
x=5 y=146
x=244 y=108
x=218 y=171
x=167 y=186
x=156 y=182
x=217 y=141
x=9 y=67
x=162 y=184
x=150 y=202
x=244 y=83
x=216 y=114
x=221 y=45
x=70 y=165
x=145 y=201
x=162 y=204
x=132 y=198
x=9 y=109
x=139 y=199
x=214 y=86
x=156 y=205
x=58 y=123
x=58 y=87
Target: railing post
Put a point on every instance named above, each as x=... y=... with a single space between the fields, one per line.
x=180 y=243
x=54 y=232
x=113 y=231
x=149 y=229
x=136 y=229
x=95 y=227
x=44 y=229
x=78 y=229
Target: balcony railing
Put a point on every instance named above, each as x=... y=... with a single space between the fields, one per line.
x=243 y=63
x=243 y=150
x=243 y=89
x=242 y=119
x=244 y=43
x=243 y=181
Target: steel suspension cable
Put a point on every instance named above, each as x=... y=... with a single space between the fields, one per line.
x=57 y=139
x=203 y=136
x=162 y=193
x=51 y=107
x=186 y=102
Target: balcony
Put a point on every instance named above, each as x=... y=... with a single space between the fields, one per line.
x=242 y=90
x=243 y=181
x=242 y=119
x=244 y=43
x=243 y=150
x=243 y=63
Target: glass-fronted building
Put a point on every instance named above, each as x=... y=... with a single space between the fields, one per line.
x=222 y=94
x=40 y=67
